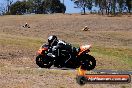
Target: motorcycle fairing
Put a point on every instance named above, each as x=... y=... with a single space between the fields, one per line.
x=84 y=48
x=41 y=50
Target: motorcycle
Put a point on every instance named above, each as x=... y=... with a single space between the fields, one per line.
x=78 y=58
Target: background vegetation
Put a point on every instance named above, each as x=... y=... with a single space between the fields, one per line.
x=107 y=7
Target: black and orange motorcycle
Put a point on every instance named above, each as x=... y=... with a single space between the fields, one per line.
x=80 y=57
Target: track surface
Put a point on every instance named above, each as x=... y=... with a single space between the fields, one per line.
x=101 y=71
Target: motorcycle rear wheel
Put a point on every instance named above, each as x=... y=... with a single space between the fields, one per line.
x=43 y=62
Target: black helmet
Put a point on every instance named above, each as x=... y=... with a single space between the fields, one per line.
x=52 y=40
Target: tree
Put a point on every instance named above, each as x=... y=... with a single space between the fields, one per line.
x=9 y=2
x=113 y=7
x=37 y=6
x=47 y=6
x=129 y=5
x=105 y=6
x=54 y=6
x=120 y=5
x=84 y=4
x=19 y=8
x=102 y=5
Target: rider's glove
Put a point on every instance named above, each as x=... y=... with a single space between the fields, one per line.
x=51 y=55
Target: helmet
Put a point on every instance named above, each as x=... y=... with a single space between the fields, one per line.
x=52 y=40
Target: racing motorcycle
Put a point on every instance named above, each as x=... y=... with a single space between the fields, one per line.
x=78 y=58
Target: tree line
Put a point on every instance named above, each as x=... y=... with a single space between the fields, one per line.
x=36 y=6
x=106 y=7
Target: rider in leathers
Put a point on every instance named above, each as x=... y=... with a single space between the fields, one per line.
x=57 y=46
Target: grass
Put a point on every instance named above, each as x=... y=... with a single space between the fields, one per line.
x=121 y=57
x=110 y=37
x=20 y=41
x=13 y=46
x=119 y=37
x=115 y=52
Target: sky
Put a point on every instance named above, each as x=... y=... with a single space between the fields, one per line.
x=70 y=7
x=68 y=3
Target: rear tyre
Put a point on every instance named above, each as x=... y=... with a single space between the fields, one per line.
x=88 y=62
x=43 y=62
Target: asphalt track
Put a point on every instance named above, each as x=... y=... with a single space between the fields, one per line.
x=100 y=71
x=113 y=71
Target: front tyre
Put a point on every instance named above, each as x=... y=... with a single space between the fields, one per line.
x=88 y=62
x=43 y=62
x=81 y=80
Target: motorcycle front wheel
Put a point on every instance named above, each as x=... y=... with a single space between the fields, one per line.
x=88 y=62
x=81 y=80
x=43 y=62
